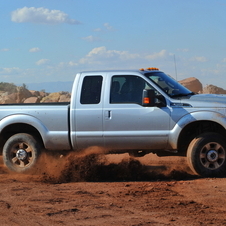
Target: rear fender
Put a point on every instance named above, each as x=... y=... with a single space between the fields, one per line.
x=51 y=139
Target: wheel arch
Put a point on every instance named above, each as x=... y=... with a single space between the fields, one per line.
x=21 y=124
x=194 y=129
x=193 y=124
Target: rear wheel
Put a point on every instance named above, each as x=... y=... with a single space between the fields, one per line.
x=21 y=152
x=207 y=155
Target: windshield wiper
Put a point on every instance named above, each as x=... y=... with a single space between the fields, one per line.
x=183 y=94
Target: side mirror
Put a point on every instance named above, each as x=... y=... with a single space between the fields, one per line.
x=148 y=98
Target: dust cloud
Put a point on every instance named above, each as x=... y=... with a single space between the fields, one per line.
x=91 y=165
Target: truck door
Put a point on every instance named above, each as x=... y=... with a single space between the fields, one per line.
x=87 y=112
x=129 y=125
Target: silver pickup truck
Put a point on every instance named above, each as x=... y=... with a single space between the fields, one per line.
x=134 y=111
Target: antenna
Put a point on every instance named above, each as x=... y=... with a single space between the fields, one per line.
x=175 y=64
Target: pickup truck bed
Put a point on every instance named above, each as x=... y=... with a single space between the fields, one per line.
x=50 y=120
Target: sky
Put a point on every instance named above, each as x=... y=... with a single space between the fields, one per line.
x=52 y=40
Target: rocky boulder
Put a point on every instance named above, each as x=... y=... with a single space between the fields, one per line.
x=213 y=89
x=22 y=94
x=192 y=84
x=57 y=97
x=32 y=100
x=19 y=96
x=5 y=98
x=65 y=97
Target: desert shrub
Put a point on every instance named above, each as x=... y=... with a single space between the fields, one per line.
x=7 y=87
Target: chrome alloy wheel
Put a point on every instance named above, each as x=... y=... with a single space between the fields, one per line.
x=21 y=154
x=212 y=156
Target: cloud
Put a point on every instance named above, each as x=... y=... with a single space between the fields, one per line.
x=41 y=15
x=42 y=61
x=4 y=50
x=182 y=50
x=100 y=55
x=161 y=54
x=199 y=59
x=210 y=71
x=102 y=51
x=97 y=29
x=102 y=58
x=71 y=63
x=10 y=73
x=9 y=70
x=34 y=50
x=68 y=64
x=91 y=39
x=107 y=27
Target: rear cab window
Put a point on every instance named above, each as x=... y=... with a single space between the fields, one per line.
x=91 y=89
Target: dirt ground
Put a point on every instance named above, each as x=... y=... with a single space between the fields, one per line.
x=111 y=190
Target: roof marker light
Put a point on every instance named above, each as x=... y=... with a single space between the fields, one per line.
x=152 y=69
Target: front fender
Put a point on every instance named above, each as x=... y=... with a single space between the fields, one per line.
x=194 y=117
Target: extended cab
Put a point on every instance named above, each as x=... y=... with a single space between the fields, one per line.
x=134 y=111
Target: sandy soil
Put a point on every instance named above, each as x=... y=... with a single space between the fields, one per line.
x=111 y=190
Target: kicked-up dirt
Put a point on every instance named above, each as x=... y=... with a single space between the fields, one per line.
x=111 y=190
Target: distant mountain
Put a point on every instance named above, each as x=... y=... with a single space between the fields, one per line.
x=50 y=87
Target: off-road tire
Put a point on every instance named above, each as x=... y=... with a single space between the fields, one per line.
x=21 y=153
x=206 y=155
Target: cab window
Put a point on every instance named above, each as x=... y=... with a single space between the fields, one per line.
x=127 y=89
x=91 y=90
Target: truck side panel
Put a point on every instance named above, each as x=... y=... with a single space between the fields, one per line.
x=50 y=121
x=114 y=125
x=86 y=118
x=128 y=124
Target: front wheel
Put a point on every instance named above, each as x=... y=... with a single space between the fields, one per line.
x=206 y=155
x=21 y=152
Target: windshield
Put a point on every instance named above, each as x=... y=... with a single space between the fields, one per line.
x=168 y=84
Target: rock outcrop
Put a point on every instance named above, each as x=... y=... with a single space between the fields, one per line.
x=6 y=98
x=23 y=95
x=192 y=84
x=213 y=89
x=57 y=97
x=32 y=100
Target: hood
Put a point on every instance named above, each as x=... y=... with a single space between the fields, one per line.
x=207 y=100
